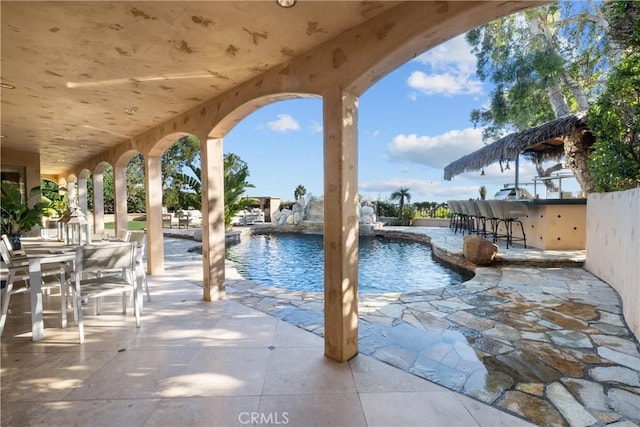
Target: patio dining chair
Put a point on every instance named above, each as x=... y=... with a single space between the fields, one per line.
x=90 y=284
x=15 y=253
x=18 y=270
x=140 y=239
x=122 y=236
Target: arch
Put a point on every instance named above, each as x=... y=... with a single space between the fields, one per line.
x=165 y=142
x=84 y=174
x=406 y=32
x=101 y=167
x=235 y=115
x=124 y=158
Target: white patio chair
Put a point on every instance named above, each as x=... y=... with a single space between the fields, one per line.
x=18 y=270
x=122 y=235
x=14 y=253
x=90 y=261
x=140 y=239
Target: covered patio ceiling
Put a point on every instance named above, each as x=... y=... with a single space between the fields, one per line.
x=79 y=78
x=82 y=78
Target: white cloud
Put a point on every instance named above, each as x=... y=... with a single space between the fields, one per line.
x=447 y=84
x=315 y=127
x=453 y=53
x=284 y=123
x=435 y=151
x=451 y=70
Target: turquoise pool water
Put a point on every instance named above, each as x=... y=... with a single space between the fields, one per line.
x=295 y=262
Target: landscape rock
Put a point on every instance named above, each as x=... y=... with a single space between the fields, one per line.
x=479 y=251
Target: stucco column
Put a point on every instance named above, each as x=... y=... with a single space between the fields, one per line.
x=212 y=218
x=120 y=197
x=82 y=194
x=72 y=194
x=340 y=111
x=98 y=203
x=153 y=188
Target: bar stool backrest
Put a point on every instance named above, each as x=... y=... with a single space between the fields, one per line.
x=514 y=209
x=474 y=209
x=464 y=208
x=496 y=208
x=485 y=208
x=453 y=206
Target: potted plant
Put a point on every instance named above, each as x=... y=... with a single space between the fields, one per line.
x=58 y=206
x=17 y=216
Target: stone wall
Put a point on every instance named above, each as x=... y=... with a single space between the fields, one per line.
x=430 y=222
x=613 y=247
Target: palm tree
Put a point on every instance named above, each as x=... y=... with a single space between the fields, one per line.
x=401 y=195
x=300 y=192
x=236 y=172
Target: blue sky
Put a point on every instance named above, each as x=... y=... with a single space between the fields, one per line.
x=411 y=124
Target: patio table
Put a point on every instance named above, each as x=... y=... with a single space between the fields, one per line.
x=39 y=253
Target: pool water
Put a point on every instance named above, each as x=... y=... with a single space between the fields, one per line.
x=296 y=262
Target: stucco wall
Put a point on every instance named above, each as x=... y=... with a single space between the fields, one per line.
x=613 y=247
x=30 y=161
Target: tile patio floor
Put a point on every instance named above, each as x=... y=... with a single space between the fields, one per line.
x=222 y=363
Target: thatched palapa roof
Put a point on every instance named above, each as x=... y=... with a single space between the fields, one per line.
x=544 y=142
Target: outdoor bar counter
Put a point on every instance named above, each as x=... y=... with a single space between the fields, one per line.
x=559 y=224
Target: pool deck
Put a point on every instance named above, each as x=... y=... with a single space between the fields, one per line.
x=536 y=336
x=518 y=342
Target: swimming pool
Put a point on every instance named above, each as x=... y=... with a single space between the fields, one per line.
x=296 y=262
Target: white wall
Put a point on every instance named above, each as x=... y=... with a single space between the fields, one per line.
x=613 y=247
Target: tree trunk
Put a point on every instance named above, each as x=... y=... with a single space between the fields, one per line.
x=558 y=101
x=557 y=98
x=577 y=148
x=576 y=90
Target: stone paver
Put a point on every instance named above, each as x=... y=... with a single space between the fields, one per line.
x=537 y=335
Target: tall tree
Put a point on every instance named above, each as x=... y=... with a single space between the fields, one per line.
x=136 y=193
x=401 y=195
x=615 y=116
x=108 y=184
x=545 y=63
x=181 y=154
x=299 y=192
